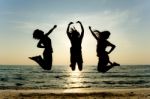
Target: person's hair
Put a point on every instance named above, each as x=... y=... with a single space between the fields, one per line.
x=105 y=34
x=37 y=34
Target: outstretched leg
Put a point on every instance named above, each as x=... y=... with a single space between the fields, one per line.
x=39 y=60
x=115 y=64
x=80 y=66
x=80 y=62
x=102 y=64
x=104 y=67
x=73 y=61
x=35 y=58
x=48 y=61
x=73 y=66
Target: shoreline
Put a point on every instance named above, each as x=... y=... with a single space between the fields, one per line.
x=82 y=93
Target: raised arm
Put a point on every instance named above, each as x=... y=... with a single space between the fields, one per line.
x=68 y=33
x=93 y=33
x=50 y=31
x=82 y=29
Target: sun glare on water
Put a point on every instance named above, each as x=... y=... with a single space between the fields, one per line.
x=75 y=79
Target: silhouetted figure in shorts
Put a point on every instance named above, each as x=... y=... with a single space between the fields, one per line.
x=104 y=63
x=44 y=42
x=75 y=50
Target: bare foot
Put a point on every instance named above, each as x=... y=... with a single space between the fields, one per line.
x=35 y=57
x=115 y=64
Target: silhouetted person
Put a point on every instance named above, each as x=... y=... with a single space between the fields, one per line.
x=104 y=63
x=75 y=50
x=44 y=42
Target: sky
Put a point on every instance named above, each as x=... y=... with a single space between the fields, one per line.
x=127 y=20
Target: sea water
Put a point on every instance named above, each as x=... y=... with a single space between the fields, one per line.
x=34 y=77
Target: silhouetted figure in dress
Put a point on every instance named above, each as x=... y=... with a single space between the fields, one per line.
x=75 y=50
x=104 y=63
x=44 y=42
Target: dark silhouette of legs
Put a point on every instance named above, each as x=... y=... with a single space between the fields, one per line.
x=104 y=67
x=72 y=59
x=79 y=62
x=47 y=57
x=103 y=64
x=73 y=67
x=80 y=66
x=73 y=62
x=115 y=64
x=45 y=63
x=39 y=60
x=76 y=59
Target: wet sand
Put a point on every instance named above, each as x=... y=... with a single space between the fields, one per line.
x=81 y=93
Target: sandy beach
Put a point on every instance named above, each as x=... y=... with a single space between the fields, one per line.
x=81 y=93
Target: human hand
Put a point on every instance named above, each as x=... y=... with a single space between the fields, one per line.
x=90 y=27
x=55 y=26
x=70 y=23
x=78 y=22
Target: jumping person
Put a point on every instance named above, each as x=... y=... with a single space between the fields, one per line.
x=104 y=63
x=75 y=50
x=44 y=42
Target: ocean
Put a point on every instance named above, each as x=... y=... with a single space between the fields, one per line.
x=33 y=77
